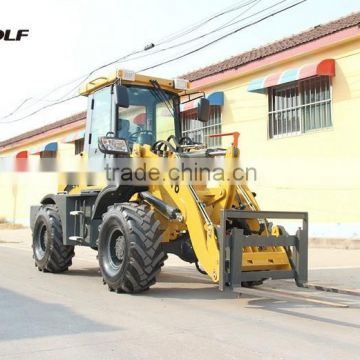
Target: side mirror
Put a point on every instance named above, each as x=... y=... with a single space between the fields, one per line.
x=203 y=112
x=121 y=96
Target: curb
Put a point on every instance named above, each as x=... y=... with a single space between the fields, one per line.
x=335 y=243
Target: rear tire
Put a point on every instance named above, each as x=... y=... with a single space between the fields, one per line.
x=130 y=251
x=50 y=254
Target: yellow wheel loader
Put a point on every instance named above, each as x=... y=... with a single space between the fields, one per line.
x=218 y=226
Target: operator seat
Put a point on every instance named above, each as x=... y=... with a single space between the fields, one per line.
x=123 y=129
x=146 y=138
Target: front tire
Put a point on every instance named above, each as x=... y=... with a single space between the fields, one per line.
x=49 y=252
x=130 y=251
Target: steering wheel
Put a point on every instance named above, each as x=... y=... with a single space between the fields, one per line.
x=186 y=140
x=134 y=136
x=174 y=139
x=157 y=146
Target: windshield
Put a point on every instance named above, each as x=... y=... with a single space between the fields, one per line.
x=150 y=117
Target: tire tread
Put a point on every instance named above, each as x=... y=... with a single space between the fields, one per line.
x=59 y=258
x=145 y=250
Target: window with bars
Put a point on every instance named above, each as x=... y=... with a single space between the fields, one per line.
x=200 y=131
x=300 y=107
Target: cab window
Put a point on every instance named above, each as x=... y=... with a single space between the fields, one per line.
x=165 y=122
x=100 y=117
x=131 y=121
x=149 y=117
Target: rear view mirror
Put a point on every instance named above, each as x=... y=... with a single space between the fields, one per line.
x=121 y=96
x=203 y=113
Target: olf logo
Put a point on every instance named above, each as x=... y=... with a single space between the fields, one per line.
x=8 y=35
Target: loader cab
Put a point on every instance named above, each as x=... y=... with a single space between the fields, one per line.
x=148 y=115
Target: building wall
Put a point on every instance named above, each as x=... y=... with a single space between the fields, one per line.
x=317 y=171
x=18 y=191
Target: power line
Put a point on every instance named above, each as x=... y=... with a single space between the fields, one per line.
x=205 y=21
x=41 y=109
x=121 y=59
x=84 y=77
x=176 y=45
x=222 y=37
x=227 y=24
x=17 y=108
x=42 y=98
x=56 y=101
x=164 y=62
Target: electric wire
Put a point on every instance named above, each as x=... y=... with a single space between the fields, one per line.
x=224 y=12
x=84 y=77
x=171 y=47
x=205 y=21
x=211 y=32
x=40 y=109
x=62 y=100
x=222 y=37
x=227 y=24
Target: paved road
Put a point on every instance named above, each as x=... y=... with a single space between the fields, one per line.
x=73 y=316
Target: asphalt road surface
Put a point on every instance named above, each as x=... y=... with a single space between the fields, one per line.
x=184 y=316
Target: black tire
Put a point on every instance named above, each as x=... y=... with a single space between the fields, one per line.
x=130 y=251
x=49 y=252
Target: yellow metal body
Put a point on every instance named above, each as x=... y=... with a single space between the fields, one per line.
x=227 y=195
x=203 y=234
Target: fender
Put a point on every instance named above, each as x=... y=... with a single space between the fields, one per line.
x=112 y=194
x=48 y=199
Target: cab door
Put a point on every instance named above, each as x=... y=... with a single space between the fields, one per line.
x=99 y=119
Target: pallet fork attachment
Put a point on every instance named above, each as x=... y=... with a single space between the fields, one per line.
x=233 y=241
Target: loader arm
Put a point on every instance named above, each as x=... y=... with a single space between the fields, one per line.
x=200 y=227
x=202 y=210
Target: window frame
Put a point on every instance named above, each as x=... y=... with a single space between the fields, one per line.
x=298 y=86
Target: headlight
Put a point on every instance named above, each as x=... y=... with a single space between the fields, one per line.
x=110 y=145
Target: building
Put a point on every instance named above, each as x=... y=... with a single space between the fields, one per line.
x=295 y=103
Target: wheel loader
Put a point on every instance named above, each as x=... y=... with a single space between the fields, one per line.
x=134 y=226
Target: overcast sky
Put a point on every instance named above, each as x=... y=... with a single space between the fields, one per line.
x=68 y=38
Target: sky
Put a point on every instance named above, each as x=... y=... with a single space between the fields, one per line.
x=69 y=38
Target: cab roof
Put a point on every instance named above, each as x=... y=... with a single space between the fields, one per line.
x=130 y=77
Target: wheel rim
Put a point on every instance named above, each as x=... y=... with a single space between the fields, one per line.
x=115 y=252
x=41 y=242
